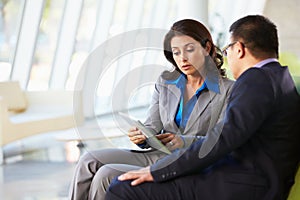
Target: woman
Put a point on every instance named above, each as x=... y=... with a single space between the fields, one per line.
x=186 y=103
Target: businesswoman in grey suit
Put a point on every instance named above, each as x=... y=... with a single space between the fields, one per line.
x=186 y=103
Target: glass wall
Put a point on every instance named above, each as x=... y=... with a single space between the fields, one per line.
x=10 y=22
x=44 y=44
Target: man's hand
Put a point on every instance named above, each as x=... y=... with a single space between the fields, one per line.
x=138 y=176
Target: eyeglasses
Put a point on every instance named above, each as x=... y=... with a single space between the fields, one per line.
x=224 y=50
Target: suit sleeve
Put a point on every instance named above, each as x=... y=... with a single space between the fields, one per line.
x=153 y=120
x=249 y=104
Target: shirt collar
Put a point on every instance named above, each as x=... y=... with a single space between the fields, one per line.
x=264 y=62
x=179 y=82
x=203 y=86
x=209 y=84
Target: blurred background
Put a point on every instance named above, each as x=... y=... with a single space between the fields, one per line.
x=48 y=46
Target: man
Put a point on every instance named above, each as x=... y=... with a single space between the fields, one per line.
x=256 y=149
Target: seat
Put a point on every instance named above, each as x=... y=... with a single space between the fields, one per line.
x=295 y=190
x=297 y=82
x=27 y=113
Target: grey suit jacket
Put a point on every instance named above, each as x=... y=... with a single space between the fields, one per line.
x=208 y=109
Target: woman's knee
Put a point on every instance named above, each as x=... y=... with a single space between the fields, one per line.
x=102 y=180
x=87 y=158
x=106 y=173
x=103 y=156
x=89 y=162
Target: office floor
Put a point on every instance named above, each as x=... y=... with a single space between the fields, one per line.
x=35 y=180
x=45 y=174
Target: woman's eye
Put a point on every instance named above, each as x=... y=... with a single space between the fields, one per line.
x=175 y=53
x=190 y=50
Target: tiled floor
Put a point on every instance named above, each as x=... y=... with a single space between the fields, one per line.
x=35 y=180
x=45 y=174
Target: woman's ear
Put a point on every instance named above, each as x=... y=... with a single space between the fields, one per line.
x=208 y=47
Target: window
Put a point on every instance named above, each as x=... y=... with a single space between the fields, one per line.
x=46 y=45
x=10 y=16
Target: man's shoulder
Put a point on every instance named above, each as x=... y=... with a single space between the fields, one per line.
x=253 y=75
x=252 y=82
x=262 y=71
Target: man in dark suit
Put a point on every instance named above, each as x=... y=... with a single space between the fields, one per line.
x=254 y=152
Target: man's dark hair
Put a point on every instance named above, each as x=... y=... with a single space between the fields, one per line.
x=258 y=34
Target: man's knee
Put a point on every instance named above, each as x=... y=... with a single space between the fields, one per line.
x=119 y=190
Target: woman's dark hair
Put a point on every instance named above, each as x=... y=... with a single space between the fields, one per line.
x=198 y=32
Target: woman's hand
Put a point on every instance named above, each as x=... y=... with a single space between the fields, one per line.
x=170 y=140
x=136 y=136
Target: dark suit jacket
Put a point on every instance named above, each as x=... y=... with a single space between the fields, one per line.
x=260 y=131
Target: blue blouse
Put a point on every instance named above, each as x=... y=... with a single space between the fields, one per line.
x=184 y=111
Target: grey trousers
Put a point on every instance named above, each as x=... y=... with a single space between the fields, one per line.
x=96 y=169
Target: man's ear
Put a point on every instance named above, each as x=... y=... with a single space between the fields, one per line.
x=240 y=49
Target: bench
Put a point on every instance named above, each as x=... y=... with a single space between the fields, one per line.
x=28 y=113
x=295 y=190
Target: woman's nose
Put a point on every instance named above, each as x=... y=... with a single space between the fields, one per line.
x=184 y=57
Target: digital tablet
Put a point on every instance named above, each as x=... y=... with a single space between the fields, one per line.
x=149 y=133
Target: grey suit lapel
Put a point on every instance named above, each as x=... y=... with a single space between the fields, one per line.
x=202 y=103
x=173 y=102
